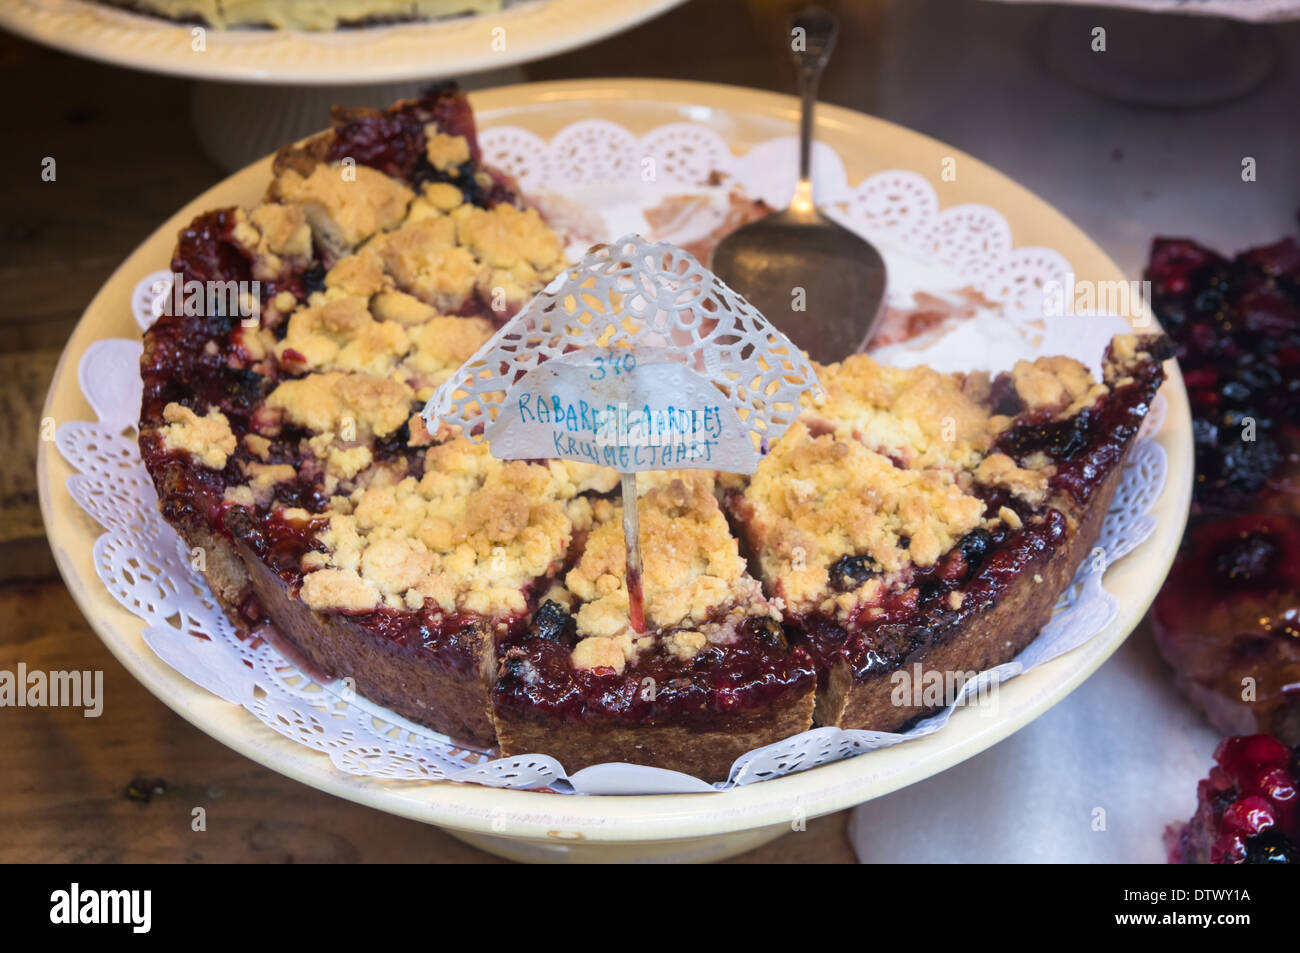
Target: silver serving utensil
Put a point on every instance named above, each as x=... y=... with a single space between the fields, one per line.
x=821 y=284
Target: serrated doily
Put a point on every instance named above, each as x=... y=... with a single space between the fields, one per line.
x=146 y=567
x=639 y=300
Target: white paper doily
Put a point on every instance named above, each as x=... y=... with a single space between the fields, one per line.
x=147 y=569
x=637 y=300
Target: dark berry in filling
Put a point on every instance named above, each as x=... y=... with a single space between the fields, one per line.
x=1236 y=324
x=552 y=621
x=537 y=679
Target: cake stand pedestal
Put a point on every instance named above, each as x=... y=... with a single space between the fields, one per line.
x=564 y=847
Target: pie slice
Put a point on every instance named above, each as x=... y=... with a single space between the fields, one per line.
x=711 y=677
x=279 y=424
x=1246 y=808
x=918 y=527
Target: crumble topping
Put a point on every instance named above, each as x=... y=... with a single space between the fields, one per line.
x=208 y=439
x=446 y=250
x=361 y=274
x=692 y=575
x=1028 y=484
x=438 y=197
x=272 y=233
x=516 y=249
x=344 y=205
x=342 y=403
x=341 y=335
x=423 y=259
x=443 y=151
x=284 y=229
x=916 y=416
x=816 y=499
x=1059 y=384
x=442 y=345
x=471 y=535
x=401 y=308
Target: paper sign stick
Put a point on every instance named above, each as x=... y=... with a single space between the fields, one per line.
x=637 y=358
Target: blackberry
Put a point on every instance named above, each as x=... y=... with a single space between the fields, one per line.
x=551 y=621
x=975 y=547
x=313 y=278
x=1271 y=847
x=849 y=572
x=768 y=632
x=1247 y=558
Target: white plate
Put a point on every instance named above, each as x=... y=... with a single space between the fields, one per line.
x=529 y=30
x=538 y=825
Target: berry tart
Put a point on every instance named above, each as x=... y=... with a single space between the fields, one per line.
x=710 y=675
x=287 y=451
x=1246 y=809
x=933 y=519
x=908 y=517
x=1228 y=617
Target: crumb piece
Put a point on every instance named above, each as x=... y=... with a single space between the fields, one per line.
x=344 y=205
x=208 y=439
x=685 y=644
x=443 y=151
x=340 y=403
x=258 y=445
x=999 y=470
x=600 y=653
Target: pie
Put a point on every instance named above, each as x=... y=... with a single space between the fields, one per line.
x=1228 y=617
x=1245 y=810
x=909 y=518
x=304 y=14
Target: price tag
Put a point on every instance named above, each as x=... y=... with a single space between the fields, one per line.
x=631 y=410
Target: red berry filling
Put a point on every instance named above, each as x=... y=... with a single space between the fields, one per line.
x=1246 y=808
x=1237 y=327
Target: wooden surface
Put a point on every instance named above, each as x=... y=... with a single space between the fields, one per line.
x=126 y=158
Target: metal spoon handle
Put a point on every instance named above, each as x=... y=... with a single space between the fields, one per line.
x=812 y=39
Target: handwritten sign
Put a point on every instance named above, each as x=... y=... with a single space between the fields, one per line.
x=601 y=368
x=622 y=409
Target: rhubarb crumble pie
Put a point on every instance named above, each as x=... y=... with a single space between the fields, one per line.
x=924 y=518
x=907 y=517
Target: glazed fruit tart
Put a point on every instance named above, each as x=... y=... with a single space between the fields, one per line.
x=1246 y=808
x=909 y=517
x=1227 y=617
